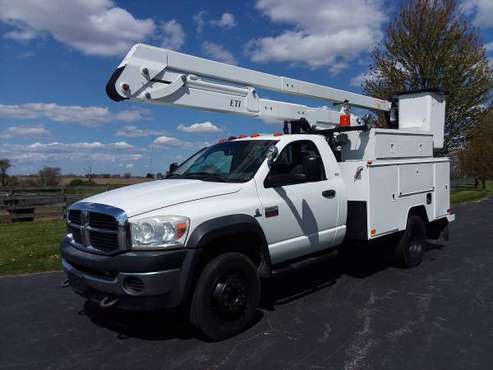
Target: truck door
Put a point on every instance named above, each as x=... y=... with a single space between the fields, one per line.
x=300 y=205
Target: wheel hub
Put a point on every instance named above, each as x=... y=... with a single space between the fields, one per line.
x=229 y=296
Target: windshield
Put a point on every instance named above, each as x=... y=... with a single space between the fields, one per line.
x=232 y=161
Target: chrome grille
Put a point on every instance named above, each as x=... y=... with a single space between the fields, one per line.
x=98 y=227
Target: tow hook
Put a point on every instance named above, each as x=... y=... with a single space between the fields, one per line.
x=107 y=302
x=65 y=283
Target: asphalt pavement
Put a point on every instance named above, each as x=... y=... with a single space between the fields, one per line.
x=352 y=312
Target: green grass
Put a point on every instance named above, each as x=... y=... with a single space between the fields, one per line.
x=467 y=193
x=30 y=246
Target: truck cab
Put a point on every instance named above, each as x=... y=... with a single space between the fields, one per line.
x=269 y=198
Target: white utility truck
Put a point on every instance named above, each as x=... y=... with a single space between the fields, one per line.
x=248 y=207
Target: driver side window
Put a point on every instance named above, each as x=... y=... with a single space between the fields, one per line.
x=298 y=162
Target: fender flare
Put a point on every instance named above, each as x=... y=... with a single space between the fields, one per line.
x=229 y=225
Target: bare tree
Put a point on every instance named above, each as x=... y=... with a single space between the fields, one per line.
x=4 y=166
x=49 y=176
x=431 y=45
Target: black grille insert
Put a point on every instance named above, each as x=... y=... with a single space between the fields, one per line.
x=102 y=221
x=103 y=241
x=75 y=216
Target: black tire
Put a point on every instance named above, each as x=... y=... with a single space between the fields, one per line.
x=410 y=249
x=226 y=296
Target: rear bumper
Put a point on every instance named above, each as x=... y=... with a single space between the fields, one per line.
x=136 y=280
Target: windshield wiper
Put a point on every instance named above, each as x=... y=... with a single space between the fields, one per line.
x=206 y=176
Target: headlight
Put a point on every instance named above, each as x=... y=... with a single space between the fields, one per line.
x=159 y=232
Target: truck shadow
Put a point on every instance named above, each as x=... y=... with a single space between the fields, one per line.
x=162 y=325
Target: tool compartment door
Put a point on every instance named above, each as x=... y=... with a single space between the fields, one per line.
x=415 y=178
x=442 y=188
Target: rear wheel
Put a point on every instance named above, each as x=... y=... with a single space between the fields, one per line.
x=226 y=297
x=410 y=249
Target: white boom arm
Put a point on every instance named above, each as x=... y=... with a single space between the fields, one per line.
x=162 y=76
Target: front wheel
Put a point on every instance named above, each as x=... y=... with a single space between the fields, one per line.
x=226 y=297
x=411 y=247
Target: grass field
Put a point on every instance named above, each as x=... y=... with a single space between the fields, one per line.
x=30 y=246
x=467 y=193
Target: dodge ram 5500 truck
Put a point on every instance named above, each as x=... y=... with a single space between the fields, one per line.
x=234 y=213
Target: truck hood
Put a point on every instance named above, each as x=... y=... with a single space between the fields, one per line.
x=145 y=197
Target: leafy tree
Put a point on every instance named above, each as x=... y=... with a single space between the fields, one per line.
x=4 y=166
x=431 y=45
x=49 y=176
x=476 y=159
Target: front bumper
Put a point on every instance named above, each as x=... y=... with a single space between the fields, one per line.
x=143 y=280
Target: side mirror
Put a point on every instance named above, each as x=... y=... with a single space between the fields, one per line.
x=271 y=155
x=311 y=167
x=172 y=167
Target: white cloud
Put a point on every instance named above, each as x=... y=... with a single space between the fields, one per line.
x=362 y=77
x=135 y=131
x=481 y=11
x=24 y=132
x=199 y=20
x=173 y=35
x=218 y=52
x=85 y=116
x=489 y=46
x=168 y=141
x=330 y=33
x=20 y=35
x=66 y=152
x=227 y=20
x=94 y=27
x=204 y=127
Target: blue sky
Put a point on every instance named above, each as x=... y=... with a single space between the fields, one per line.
x=56 y=56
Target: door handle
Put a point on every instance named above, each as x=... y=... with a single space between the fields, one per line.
x=329 y=193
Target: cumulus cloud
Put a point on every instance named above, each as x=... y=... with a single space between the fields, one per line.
x=204 y=127
x=95 y=27
x=23 y=132
x=200 y=20
x=173 y=36
x=481 y=11
x=135 y=131
x=85 y=116
x=171 y=142
x=218 y=52
x=227 y=20
x=332 y=33
x=489 y=46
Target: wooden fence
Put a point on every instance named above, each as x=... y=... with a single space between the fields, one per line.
x=28 y=204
